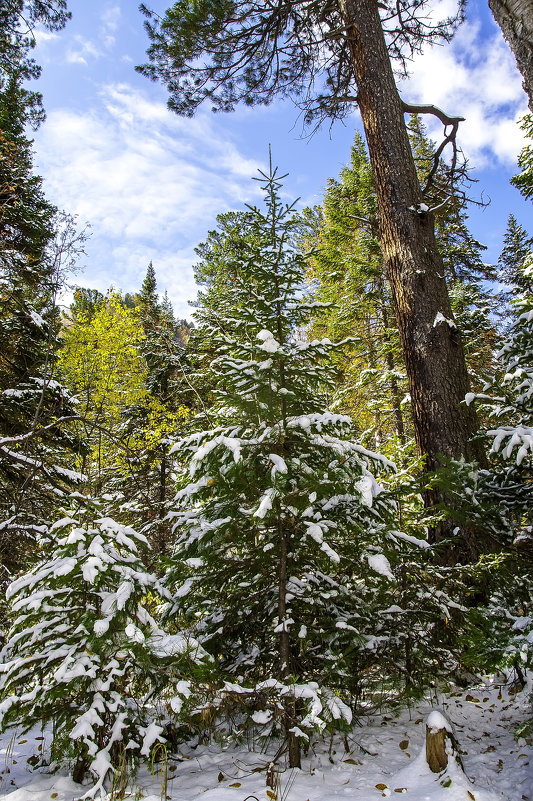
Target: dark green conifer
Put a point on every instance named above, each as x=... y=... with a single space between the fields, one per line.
x=284 y=541
x=517 y=245
x=34 y=407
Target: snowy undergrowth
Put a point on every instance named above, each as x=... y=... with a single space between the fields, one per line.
x=385 y=758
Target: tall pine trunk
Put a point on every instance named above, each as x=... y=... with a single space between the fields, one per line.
x=433 y=351
x=515 y=18
x=431 y=342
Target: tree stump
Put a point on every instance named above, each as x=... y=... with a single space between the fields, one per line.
x=438 y=730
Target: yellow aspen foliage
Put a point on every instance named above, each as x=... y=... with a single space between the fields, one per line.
x=102 y=363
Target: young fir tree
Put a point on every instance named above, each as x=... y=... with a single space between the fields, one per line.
x=284 y=545
x=507 y=400
x=148 y=301
x=502 y=632
x=222 y=247
x=163 y=343
x=517 y=245
x=511 y=397
x=83 y=652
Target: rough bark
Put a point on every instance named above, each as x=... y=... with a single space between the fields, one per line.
x=515 y=18
x=440 y=744
x=431 y=342
x=436 y=755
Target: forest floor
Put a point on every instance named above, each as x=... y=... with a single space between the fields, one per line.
x=385 y=758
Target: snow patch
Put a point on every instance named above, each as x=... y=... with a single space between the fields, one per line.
x=280 y=466
x=380 y=563
x=436 y=721
x=270 y=344
x=440 y=318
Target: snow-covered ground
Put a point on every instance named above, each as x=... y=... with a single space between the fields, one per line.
x=385 y=759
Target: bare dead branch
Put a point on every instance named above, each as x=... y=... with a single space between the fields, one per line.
x=454 y=172
x=427 y=108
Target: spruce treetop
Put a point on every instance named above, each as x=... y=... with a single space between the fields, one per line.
x=517 y=245
x=258 y=314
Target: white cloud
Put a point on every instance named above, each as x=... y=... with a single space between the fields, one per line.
x=81 y=50
x=111 y=17
x=149 y=183
x=43 y=37
x=475 y=77
x=110 y=21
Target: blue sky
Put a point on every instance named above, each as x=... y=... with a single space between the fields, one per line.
x=150 y=184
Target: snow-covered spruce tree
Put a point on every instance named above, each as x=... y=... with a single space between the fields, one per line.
x=283 y=537
x=83 y=652
x=505 y=494
x=510 y=398
x=507 y=403
x=37 y=247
